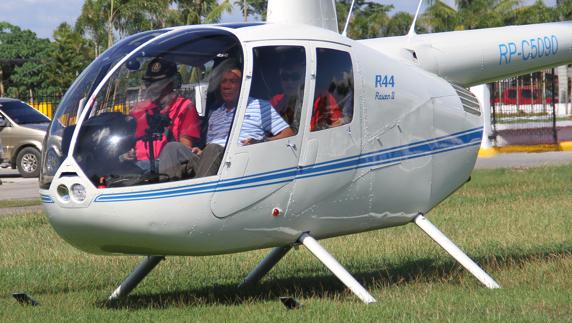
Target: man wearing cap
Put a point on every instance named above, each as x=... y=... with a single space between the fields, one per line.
x=163 y=116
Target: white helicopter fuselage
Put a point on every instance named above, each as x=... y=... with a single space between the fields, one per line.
x=403 y=135
x=412 y=142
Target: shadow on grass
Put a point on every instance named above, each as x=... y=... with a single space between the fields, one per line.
x=328 y=286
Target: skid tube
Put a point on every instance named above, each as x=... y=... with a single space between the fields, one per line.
x=322 y=255
x=136 y=276
x=452 y=249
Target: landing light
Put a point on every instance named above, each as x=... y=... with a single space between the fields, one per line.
x=64 y=193
x=78 y=192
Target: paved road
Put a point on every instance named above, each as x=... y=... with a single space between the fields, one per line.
x=519 y=160
x=15 y=187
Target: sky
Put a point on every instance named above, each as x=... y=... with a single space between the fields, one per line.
x=43 y=16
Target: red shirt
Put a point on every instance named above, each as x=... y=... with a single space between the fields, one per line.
x=184 y=122
x=326 y=112
x=275 y=100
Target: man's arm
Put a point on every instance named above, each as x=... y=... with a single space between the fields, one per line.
x=288 y=132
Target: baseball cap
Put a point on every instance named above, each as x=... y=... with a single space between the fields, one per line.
x=159 y=69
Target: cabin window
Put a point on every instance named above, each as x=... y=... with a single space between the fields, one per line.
x=276 y=93
x=57 y=141
x=333 y=103
x=154 y=118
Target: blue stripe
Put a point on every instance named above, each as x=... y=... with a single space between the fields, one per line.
x=383 y=157
x=46 y=199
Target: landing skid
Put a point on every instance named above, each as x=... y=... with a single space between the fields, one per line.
x=145 y=267
x=455 y=252
x=319 y=252
x=140 y=272
x=264 y=266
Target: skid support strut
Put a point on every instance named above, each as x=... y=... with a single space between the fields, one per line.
x=334 y=266
x=265 y=265
x=140 y=272
x=454 y=251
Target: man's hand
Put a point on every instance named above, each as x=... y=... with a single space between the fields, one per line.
x=197 y=151
x=130 y=155
x=250 y=141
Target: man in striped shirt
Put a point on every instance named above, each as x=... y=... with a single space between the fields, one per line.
x=261 y=123
x=260 y=119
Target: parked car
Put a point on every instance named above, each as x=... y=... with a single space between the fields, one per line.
x=1 y=152
x=22 y=131
x=526 y=95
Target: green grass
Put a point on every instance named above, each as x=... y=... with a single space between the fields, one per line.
x=19 y=203
x=516 y=223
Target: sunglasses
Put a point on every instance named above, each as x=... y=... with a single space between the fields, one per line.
x=285 y=76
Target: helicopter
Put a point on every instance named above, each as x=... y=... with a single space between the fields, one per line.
x=374 y=134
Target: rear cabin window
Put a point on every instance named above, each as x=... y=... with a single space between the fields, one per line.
x=333 y=104
x=277 y=90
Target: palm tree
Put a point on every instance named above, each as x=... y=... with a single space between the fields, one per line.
x=477 y=14
x=564 y=8
x=534 y=14
x=440 y=17
x=91 y=24
x=192 y=12
x=368 y=18
x=252 y=8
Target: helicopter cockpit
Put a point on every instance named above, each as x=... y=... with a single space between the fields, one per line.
x=148 y=91
x=163 y=106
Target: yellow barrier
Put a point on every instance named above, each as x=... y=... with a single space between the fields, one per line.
x=489 y=152
x=46 y=108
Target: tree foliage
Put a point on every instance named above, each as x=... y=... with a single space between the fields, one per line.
x=191 y=12
x=254 y=8
x=23 y=59
x=474 y=14
x=534 y=14
x=70 y=55
x=369 y=19
x=564 y=9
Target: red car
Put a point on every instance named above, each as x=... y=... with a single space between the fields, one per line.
x=526 y=95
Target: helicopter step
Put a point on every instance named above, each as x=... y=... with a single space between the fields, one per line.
x=454 y=251
x=140 y=272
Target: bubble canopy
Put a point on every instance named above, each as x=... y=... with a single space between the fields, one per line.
x=148 y=95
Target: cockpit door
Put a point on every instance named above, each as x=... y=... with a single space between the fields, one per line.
x=259 y=176
x=332 y=141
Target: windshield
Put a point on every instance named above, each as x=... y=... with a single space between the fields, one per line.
x=22 y=113
x=149 y=121
x=63 y=123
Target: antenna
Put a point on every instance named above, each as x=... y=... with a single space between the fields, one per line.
x=344 y=33
x=412 y=28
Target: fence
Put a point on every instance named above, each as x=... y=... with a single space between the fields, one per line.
x=45 y=102
x=526 y=110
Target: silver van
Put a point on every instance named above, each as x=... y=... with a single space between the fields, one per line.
x=22 y=131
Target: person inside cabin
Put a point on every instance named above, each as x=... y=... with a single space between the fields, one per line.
x=288 y=103
x=326 y=112
x=162 y=117
x=261 y=123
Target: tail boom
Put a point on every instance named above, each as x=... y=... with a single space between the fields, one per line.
x=478 y=56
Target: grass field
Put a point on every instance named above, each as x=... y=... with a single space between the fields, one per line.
x=516 y=223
